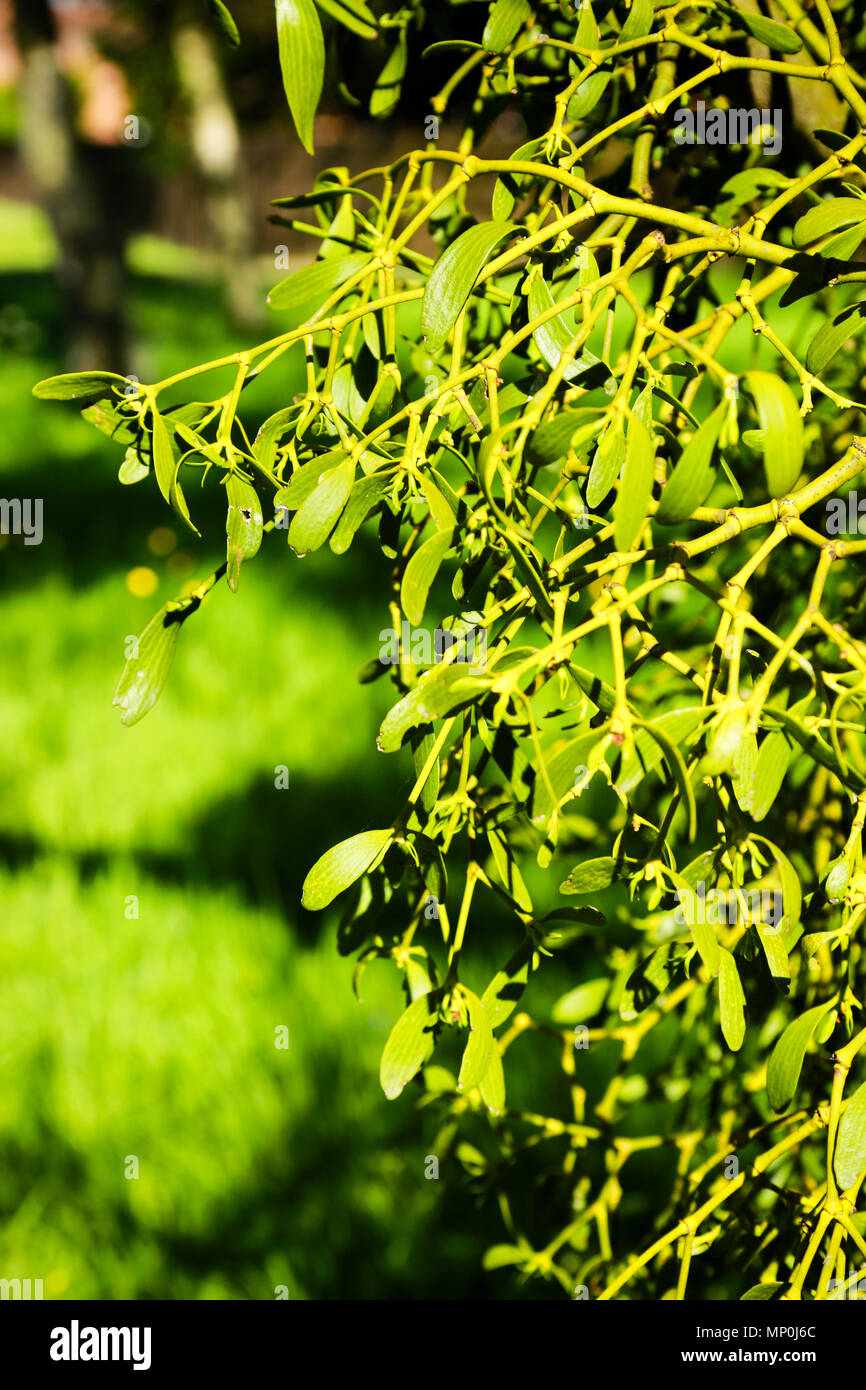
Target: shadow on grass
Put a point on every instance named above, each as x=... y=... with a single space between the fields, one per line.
x=259 y=841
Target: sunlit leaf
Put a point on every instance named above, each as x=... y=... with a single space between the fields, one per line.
x=453 y=277
x=302 y=61
x=340 y=866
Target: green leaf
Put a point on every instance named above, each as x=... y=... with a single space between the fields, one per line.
x=844 y=245
x=453 y=277
x=123 y=429
x=828 y=216
x=732 y=1001
x=442 y=509
x=774 y=756
x=315 y=281
x=815 y=746
x=302 y=61
x=442 y=690
x=762 y=1293
x=581 y=1003
x=507 y=18
x=410 y=1044
x=500 y=1256
x=743 y=187
x=340 y=866
x=639 y=20
x=366 y=494
x=591 y=90
x=76 y=386
x=781 y=37
x=304 y=481
x=267 y=441
x=508 y=870
x=692 y=478
x=480 y=1047
x=703 y=932
x=133 y=469
x=607 y=464
x=650 y=978
x=591 y=876
x=647 y=752
x=552 y=440
x=163 y=456
x=146 y=672
x=386 y=92
x=431 y=862
x=420 y=572
x=774 y=951
x=501 y=996
x=850 y=1157
x=788 y=927
x=635 y=489
x=743 y=772
x=317 y=516
x=553 y=336
x=244 y=526
x=225 y=23
x=782 y=427
x=562 y=771
x=832 y=335
x=786 y=1061
x=601 y=694
x=493 y=1083
x=422 y=746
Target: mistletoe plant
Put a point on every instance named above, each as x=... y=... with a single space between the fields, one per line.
x=594 y=400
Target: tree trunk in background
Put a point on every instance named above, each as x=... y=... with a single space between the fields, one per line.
x=216 y=147
x=78 y=189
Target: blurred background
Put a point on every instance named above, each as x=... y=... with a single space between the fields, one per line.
x=152 y=941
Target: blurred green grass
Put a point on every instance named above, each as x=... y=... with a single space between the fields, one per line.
x=153 y=1035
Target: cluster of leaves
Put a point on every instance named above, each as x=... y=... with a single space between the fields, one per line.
x=599 y=427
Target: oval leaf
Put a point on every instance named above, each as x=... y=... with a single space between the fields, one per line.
x=316 y=518
x=850 y=1158
x=453 y=276
x=75 y=386
x=146 y=672
x=732 y=1001
x=786 y=1061
x=829 y=216
x=340 y=866
x=782 y=427
x=480 y=1047
x=581 y=1003
x=832 y=335
x=590 y=876
x=607 y=464
x=420 y=573
x=244 y=525
x=410 y=1044
x=635 y=490
x=692 y=477
x=315 y=281
x=781 y=37
x=507 y=18
x=774 y=755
